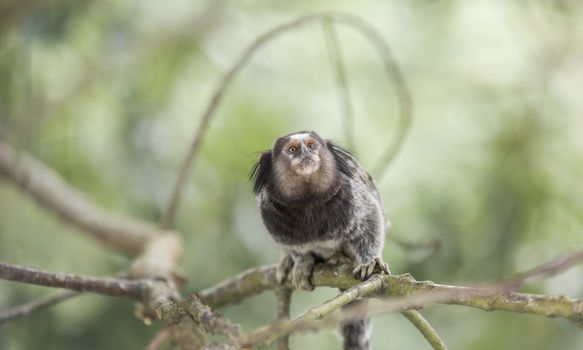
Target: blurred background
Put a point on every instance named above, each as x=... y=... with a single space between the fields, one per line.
x=109 y=94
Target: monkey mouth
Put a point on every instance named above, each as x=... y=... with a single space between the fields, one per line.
x=307 y=166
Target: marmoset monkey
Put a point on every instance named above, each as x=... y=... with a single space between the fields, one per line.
x=317 y=202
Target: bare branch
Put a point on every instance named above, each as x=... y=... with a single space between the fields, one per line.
x=283 y=300
x=159 y=261
x=351 y=21
x=432 y=246
x=425 y=328
x=159 y=250
x=28 y=308
x=158 y=339
x=339 y=71
x=102 y=285
x=50 y=191
x=242 y=286
x=211 y=321
x=546 y=270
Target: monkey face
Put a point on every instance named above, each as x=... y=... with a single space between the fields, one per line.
x=301 y=152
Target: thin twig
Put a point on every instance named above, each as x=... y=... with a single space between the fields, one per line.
x=546 y=270
x=283 y=300
x=30 y=307
x=425 y=328
x=432 y=246
x=351 y=21
x=102 y=285
x=341 y=78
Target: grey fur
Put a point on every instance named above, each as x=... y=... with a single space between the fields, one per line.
x=317 y=201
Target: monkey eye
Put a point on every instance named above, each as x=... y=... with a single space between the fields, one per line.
x=311 y=145
x=292 y=149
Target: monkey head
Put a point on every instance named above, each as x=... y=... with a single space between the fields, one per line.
x=299 y=166
x=300 y=154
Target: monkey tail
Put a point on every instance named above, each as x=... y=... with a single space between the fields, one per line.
x=356 y=333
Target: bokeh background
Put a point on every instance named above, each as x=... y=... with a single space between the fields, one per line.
x=109 y=94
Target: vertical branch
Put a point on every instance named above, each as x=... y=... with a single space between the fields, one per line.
x=159 y=339
x=394 y=74
x=283 y=296
x=339 y=71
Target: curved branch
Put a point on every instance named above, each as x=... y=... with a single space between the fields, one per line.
x=50 y=191
x=341 y=78
x=351 y=21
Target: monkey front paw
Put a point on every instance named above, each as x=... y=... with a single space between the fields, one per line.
x=284 y=267
x=376 y=265
x=302 y=273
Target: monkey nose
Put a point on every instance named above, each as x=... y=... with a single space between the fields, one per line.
x=304 y=152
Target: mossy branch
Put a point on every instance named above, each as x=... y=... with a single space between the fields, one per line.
x=257 y=280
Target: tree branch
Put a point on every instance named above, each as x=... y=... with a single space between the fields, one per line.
x=546 y=270
x=257 y=280
x=283 y=302
x=30 y=307
x=425 y=328
x=266 y=335
x=159 y=250
x=211 y=321
x=116 y=287
x=159 y=339
x=50 y=191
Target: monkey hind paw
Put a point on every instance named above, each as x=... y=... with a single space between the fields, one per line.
x=302 y=273
x=376 y=265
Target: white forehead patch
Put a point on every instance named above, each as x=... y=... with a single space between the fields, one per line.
x=299 y=137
